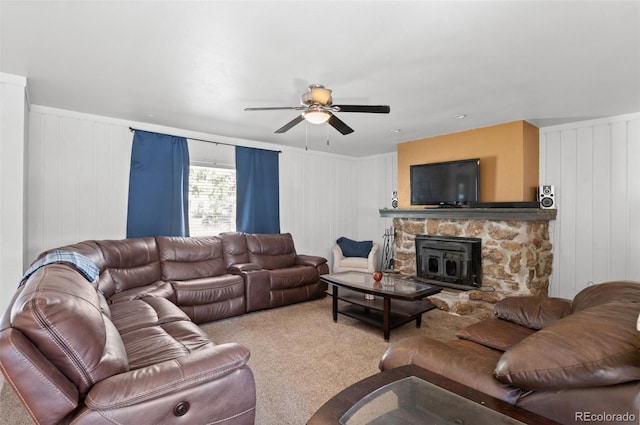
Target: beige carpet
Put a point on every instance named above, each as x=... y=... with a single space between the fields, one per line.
x=299 y=357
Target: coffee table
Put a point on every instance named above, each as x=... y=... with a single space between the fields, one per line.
x=408 y=299
x=410 y=395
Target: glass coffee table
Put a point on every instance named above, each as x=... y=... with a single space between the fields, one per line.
x=396 y=301
x=410 y=395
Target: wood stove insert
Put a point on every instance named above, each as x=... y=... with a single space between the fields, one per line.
x=453 y=262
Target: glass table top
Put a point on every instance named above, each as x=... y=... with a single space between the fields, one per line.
x=413 y=400
x=388 y=284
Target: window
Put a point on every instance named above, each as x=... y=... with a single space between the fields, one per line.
x=212 y=200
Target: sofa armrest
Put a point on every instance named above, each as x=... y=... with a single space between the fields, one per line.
x=337 y=253
x=372 y=258
x=257 y=289
x=48 y=393
x=243 y=267
x=533 y=312
x=465 y=362
x=310 y=260
x=211 y=384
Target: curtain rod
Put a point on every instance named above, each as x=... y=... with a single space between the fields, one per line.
x=201 y=140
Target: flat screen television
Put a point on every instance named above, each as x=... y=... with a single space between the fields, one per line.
x=451 y=183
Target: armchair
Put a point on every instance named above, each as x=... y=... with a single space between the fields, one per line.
x=348 y=262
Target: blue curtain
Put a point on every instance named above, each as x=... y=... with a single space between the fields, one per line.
x=158 y=186
x=257 y=191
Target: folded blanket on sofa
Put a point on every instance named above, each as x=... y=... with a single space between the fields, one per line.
x=82 y=264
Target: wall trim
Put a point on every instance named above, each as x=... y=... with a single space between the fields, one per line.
x=591 y=123
x=16 y=80
x=189 y=134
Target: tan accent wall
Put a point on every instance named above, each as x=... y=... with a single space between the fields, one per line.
x=508 y=159
x=530 y=161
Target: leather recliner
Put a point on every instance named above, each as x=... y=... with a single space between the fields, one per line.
x=559 y=358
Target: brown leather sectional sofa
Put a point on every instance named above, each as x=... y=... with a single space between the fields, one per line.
x=125 y=348
x=571 y=361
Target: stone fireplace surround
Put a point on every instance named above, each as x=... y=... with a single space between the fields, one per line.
x=516 y=251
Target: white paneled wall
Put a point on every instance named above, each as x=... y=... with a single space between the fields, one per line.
x=594 y=166
x=378 y=178
x=324 y=197
x=310 y=191
x=13 y=119
x=78 y=173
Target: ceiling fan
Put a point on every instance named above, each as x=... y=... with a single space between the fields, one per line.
x=317 y=107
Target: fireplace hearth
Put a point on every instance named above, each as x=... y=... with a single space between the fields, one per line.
x=454 y=262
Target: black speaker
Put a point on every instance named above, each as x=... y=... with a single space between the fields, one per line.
x=546 y=196
x=394 y=199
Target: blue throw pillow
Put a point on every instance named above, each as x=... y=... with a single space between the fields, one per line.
x=352 y=248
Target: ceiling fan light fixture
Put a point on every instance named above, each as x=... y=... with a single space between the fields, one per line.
x=317 y=108
x=315 y=116
x=320 y=95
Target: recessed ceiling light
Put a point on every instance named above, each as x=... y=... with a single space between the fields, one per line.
x=460 y=116
x=395 y=130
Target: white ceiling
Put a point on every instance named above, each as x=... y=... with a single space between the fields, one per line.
x=197 y=65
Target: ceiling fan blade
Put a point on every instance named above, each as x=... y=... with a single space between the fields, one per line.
x=372 y=109
x=275 y=108
x=288 y=126
x=339 y=125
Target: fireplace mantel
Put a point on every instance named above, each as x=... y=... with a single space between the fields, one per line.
x=496 y=214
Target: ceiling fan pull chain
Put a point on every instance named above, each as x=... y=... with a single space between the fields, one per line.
x=326 y=131
x=306 y=136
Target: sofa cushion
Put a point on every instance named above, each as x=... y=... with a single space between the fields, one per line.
x=234 y=247
x=533 y=312
x=183 y=258
x=495 y=333
x=141 y=313
x=208 y=290
x=602 y=293
x=155 y=344
x=293 y=277
x=355 y=263
x=54 y=310
x=271 y=251
x=156 y=289
x=130 y=263
x=598 y=346
x=351 y=248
